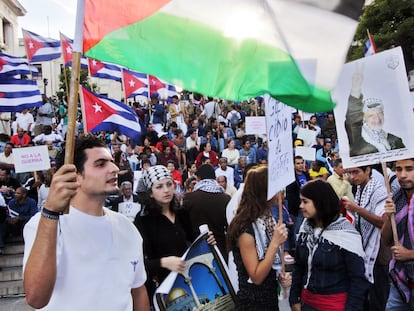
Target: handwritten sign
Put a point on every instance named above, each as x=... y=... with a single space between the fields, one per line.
x=31 y=159
x=280 y=155
x=129 y=209
x=255 y=125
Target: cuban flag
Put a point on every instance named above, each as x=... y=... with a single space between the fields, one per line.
x=12 y=65
x=370 y=47
x=67 y=50
x=156 y=85
x=135 y=83
x=18 y=94
x=172 y=90
x=40 y=49
x=103 y=70
x=105 y=114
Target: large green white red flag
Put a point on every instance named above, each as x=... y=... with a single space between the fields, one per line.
x=232 y=49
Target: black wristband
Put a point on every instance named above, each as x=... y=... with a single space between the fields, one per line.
x=50 y=214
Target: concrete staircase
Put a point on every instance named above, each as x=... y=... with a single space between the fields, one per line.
x=11 y=275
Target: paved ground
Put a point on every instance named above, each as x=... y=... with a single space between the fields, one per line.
x=19 y=304
x=14 y=304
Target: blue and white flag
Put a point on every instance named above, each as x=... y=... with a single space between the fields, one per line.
x=67 y=50
x=135 y=83
x=103 y=70
x=12 y=65
x=17 y=94
x=172 y=90
x=40 y=49
x=105 y=114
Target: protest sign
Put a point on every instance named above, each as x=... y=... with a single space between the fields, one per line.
x=31 y=159
x=374 y=115
x=204 y=285
x=255 y=125
x=280 y=154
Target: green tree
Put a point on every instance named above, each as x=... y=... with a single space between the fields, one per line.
x=64 y=81
x=391 y=24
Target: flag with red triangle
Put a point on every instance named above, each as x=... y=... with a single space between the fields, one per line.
x=156 y=85
x=135 y=83
x=104 y=114
x=40 y=49
x=103 y=70
x=67 y=50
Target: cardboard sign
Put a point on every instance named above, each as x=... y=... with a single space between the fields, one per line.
x=31 y=159
x=204 y=285
x=255 y=125
x=374 y=111
x=279 y=136
x=129 y=209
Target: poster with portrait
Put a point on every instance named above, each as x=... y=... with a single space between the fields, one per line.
x=374 y=115
x=204 y=285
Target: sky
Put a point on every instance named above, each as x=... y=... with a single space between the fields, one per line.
x=49 y=17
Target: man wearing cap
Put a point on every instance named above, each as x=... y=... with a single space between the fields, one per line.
x=207 y=205
x=364 y=121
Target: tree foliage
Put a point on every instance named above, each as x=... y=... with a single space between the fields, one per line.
x=64 y=81
x=391 y=24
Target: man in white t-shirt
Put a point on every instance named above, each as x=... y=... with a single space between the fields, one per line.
x=90 y=258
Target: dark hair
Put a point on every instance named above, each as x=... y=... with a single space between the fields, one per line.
x=206 y=171
x=337 y=162
x=253 y=203
x=324 y=199
x=298 y=157
x=83 y=142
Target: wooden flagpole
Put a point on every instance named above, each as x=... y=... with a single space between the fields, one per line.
x=392 y=219
x=74 y=86
x=282 y=247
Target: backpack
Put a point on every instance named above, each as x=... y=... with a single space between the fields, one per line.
x=234 y=119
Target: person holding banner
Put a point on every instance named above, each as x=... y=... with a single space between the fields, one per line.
x=401 y=295
x=255 y=239
x=329 y=269
x=90 y=258
x=364 y=122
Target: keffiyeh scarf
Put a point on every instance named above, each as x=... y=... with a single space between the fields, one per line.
x=376 y=138
x=263 y=228
x=208 y=185
x=340 y=232
x=371 y=198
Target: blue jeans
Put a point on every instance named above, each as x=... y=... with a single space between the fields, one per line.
x=395 y=302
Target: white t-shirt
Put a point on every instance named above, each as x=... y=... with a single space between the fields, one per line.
x=99 y=260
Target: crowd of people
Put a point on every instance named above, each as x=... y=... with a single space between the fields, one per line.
x=195 y=165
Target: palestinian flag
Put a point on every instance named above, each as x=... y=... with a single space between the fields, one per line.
x=233 y=49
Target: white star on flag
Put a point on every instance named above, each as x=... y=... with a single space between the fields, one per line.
x=94 y=63
x=97 y=108
x=31 y=44
x=69 y=50
x=131 y=83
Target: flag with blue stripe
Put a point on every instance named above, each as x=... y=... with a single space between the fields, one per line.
x=135 y=83
x=104 y=114
x=12 y=65
x=103 y=70
x=67 y=50
x=17 y=94
x=40 y=49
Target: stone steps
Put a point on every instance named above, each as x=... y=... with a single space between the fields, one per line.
x=11 y=274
